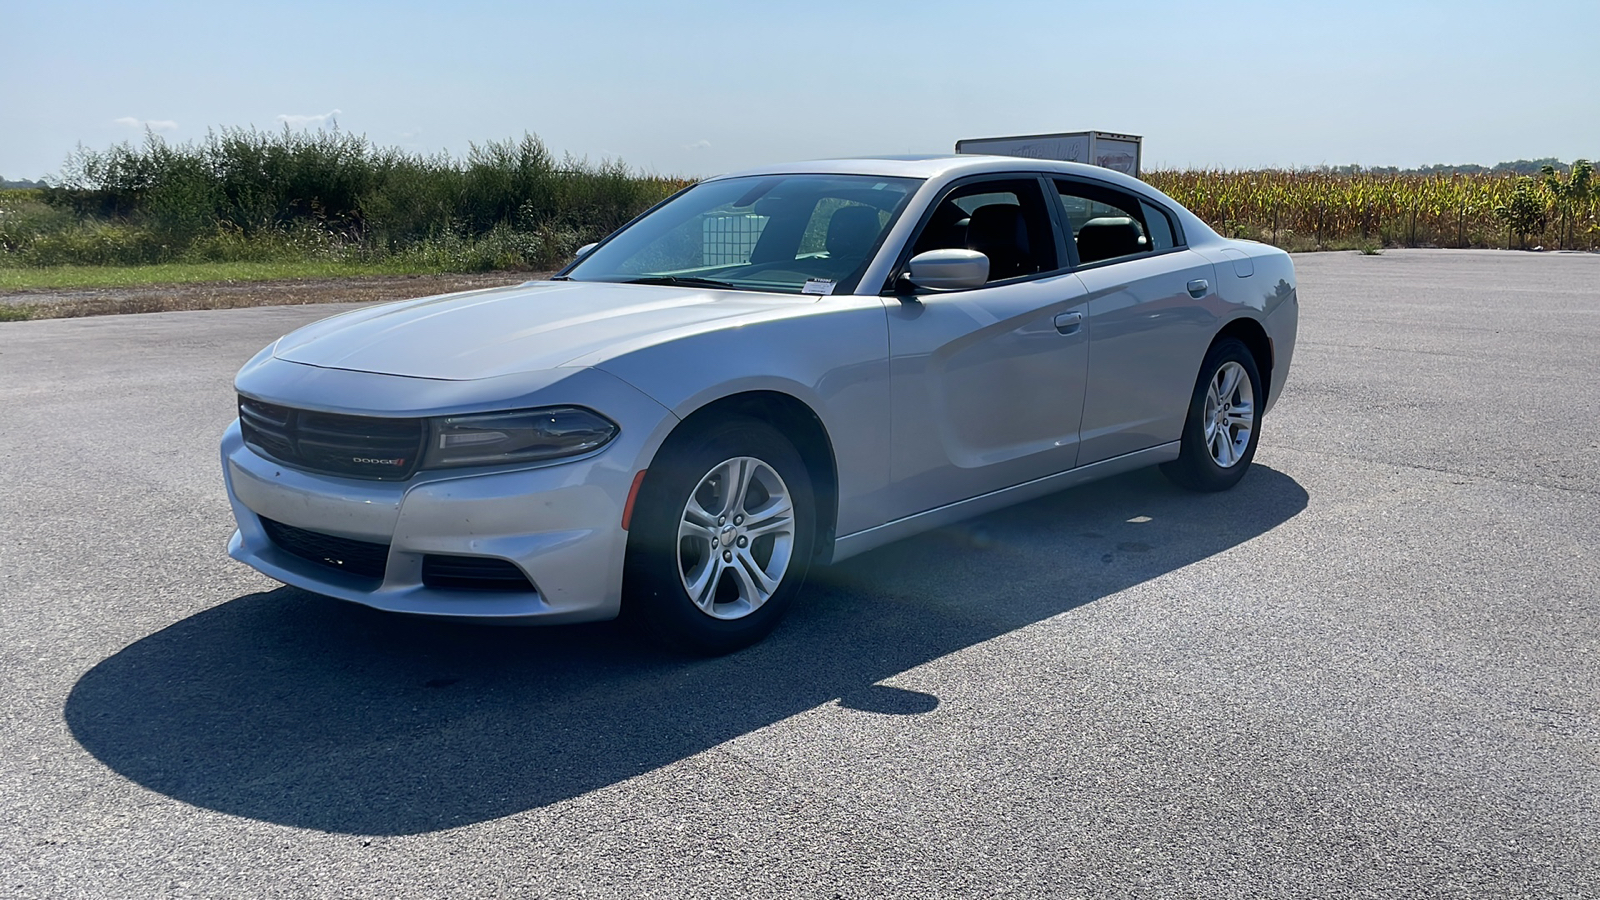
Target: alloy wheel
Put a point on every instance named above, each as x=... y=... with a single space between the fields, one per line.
x=1230 y=414
x=735 y=538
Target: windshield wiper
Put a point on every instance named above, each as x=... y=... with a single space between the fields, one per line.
x=685 y=281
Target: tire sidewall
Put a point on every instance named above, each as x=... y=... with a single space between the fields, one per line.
x=1194 y=468
x=653 y=595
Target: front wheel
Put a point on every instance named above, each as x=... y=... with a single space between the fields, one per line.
x=721 y=538
x=1223 y=426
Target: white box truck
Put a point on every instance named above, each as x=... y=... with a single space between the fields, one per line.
x=1101 y=148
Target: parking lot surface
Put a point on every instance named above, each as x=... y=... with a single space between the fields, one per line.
x=1373 y=669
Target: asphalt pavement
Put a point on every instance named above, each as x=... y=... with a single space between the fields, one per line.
x=1372 y=669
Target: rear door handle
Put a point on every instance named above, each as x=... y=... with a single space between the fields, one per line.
x=1069 y=322
x=1198 y=288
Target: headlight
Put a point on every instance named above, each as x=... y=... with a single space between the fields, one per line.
x=511 y=437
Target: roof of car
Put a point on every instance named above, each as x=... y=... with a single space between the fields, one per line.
x=946 y=166
x=919 y=165
x=932 y=166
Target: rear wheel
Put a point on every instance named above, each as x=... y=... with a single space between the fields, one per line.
x=721 y=537
x=1223 y=426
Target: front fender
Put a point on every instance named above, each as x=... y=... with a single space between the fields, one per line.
x=833 y=357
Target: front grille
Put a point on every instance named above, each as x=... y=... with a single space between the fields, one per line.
x=473 y=573
x=363 y=558
x=351 y=446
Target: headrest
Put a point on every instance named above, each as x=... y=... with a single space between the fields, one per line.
x=1108 y=237
x=999 y=232
x=1124 y=222
x=997 y=226
x=851 y=231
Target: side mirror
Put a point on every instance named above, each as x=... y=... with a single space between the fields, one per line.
x=585 y=250
x=948 y=269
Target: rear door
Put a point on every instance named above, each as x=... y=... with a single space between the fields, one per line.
x=1152 y=310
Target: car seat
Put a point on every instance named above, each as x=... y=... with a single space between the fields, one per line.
x=852 y=230
x=999 y=232
x=1109 y=237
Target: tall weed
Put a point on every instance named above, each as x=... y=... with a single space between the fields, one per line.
x=247 y=195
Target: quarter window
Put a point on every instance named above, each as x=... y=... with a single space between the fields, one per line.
x=1158 y=226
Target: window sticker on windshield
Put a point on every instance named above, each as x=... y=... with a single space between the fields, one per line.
x=822 y=286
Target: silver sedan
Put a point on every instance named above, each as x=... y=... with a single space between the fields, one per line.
x=767 y=371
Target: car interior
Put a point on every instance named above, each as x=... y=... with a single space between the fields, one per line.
x=1005 y=221
x=1107 y=237
x=852 y=231
x=1107 y=224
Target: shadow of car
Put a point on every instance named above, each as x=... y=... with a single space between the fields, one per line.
x=291 y=708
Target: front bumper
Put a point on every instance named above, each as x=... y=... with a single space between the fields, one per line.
x=560 y=524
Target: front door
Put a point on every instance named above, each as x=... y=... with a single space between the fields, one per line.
x=988 y=383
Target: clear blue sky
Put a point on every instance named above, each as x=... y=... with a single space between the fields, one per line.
x=696 y=88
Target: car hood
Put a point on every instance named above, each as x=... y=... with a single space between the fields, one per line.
x=529 y=327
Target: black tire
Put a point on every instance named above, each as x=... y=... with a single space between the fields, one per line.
x=1197 y=467
x=655 y=597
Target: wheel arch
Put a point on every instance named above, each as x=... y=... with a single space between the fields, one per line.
x=1254 y=337
x=803 y=428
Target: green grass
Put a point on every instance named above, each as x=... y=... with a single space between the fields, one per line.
x=67 y=277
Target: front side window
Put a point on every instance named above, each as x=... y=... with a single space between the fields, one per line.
x=783 y=233
x=1005 y=220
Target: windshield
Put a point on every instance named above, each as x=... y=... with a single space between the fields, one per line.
x=786 y=233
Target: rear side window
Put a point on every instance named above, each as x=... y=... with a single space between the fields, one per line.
x=1108 y=224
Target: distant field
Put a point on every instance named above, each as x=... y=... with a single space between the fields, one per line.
x=251 y=207
x=1315 y=210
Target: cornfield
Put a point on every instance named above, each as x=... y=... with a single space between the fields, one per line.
x=1303 y=210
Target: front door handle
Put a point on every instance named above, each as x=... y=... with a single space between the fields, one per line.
x=1069 y=322
x=1198 y=288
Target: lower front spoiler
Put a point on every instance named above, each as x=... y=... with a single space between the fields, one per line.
x=499 y=608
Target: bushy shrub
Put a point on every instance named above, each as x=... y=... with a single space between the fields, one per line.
x=250 y=195
x=25 y=217
x=296 y=242
x=98 y=244
x=1524 y=212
